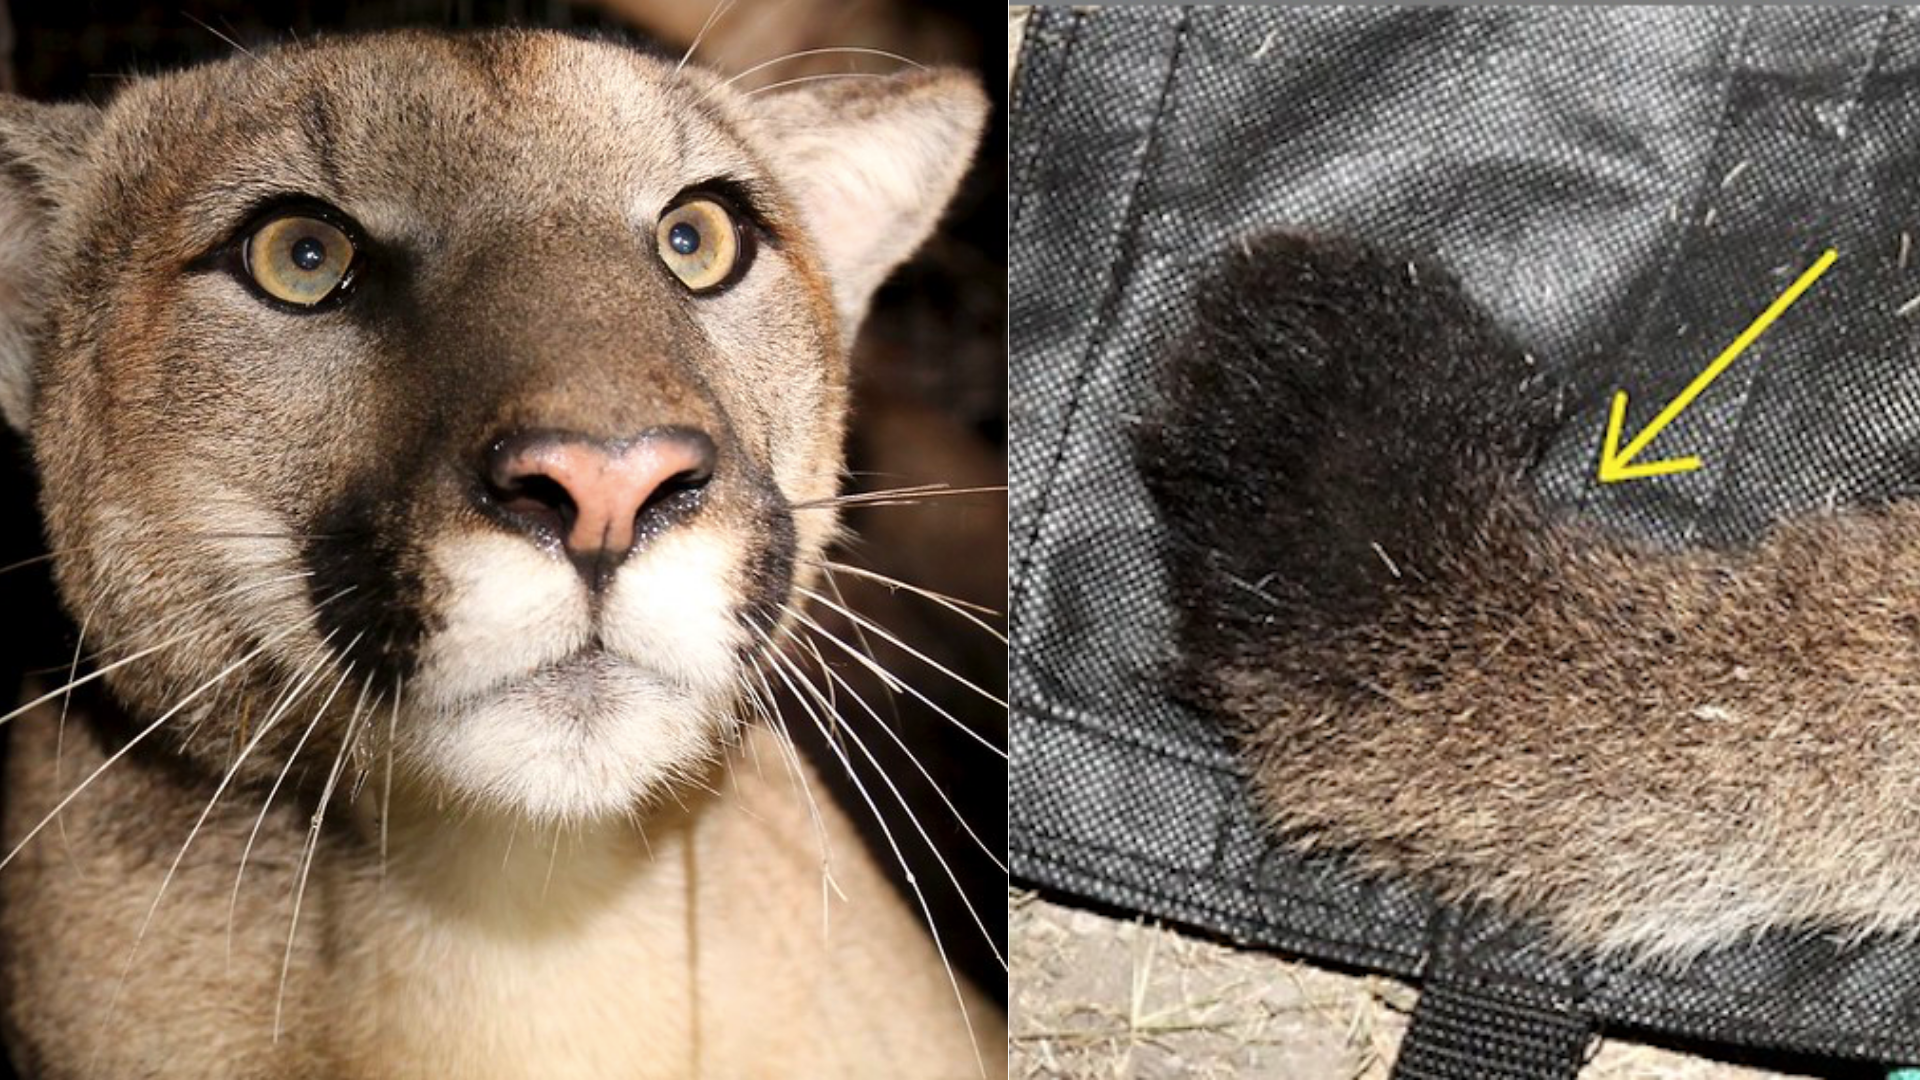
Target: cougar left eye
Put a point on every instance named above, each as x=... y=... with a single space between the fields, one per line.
x=702 y=242
x=297 y=259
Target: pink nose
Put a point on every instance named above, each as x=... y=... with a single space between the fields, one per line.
x=595 y=496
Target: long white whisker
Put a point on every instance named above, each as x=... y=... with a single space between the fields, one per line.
x=102 y=672
x=294 y=692
x=386 y=784
x=291 y=688
x=848 y=50
x=97 y=673
x=766 y=713
x=910 y=650
x=552 y=858
x=963 y=608
x=60 y=730
x=233 y=900
x=141 y=736
x=61 y=553
x=513 y=830
x=911 y=758
x=712 y=17
x=794 y=769
x=860 y=635
x=866 y=646
x=780 y=664
x=236 y=45
x=126 y=969
x=758 y=90
x=914 y=819
x=739 y=737
x=313 y=846
x=913 y=495
x=896 y=683
x=36 y=560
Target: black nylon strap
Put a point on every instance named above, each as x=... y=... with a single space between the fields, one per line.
x=1463 y=1032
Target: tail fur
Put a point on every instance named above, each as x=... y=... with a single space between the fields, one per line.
x=1653 y=752
x=1339 y=431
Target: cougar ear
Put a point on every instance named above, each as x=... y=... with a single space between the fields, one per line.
x=872 y=163
x=42 y=149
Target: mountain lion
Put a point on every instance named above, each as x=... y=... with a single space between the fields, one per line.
x=438 y=439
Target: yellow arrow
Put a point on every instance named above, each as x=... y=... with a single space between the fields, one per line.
x=1616 y=464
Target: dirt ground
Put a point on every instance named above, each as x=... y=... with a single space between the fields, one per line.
x=1094 y=998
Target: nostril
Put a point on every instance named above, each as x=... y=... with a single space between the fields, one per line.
x=690 y=454
x=675 y=485
x=538 y=498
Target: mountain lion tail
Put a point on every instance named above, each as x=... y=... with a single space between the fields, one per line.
x=1343 y=438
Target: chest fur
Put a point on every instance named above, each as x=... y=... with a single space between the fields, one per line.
x=598 y=982
x=694 y=945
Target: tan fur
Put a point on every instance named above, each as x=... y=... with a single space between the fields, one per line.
x=590 y=874
x=1657 y=752
x=698 y=942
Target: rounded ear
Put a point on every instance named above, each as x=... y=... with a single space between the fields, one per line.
x=872 y=162
x=42 y=150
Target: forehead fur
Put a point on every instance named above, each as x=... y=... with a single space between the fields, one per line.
x=405 y=130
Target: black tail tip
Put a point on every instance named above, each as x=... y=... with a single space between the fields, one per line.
x=1335 y=420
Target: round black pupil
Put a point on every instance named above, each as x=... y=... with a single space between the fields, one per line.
x=684 y=238
x=309 y=253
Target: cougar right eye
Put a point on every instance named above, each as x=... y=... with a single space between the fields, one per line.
x=298 y=259
x=703 y=243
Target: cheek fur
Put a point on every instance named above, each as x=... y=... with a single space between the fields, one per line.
x=672 y=609
x=504 y=610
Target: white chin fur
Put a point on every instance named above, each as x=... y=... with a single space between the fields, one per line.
x=513 y=708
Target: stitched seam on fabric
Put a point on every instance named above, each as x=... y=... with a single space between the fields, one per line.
x=1459 y=965
x=1670 y=262
x=1438 y=937
x=1594 y=996
x=1260 y=928
x=1533 y=995
x=1103 y=319
x=1176 y=870
x=1848 y=156
x=1249 y=928
x=1603 y=976
x=1601 y=1008
x=1078 y=719
x=1718 y=1027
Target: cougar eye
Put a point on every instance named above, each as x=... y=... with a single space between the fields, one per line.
x=703 y=243
x=297 y=259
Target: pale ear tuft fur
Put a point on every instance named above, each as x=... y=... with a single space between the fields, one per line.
x=872 y=163
x=41 y=149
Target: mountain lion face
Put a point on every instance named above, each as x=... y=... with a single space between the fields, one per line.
x=474 y=400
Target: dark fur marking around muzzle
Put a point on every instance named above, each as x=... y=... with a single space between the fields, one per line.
x=355 y=549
